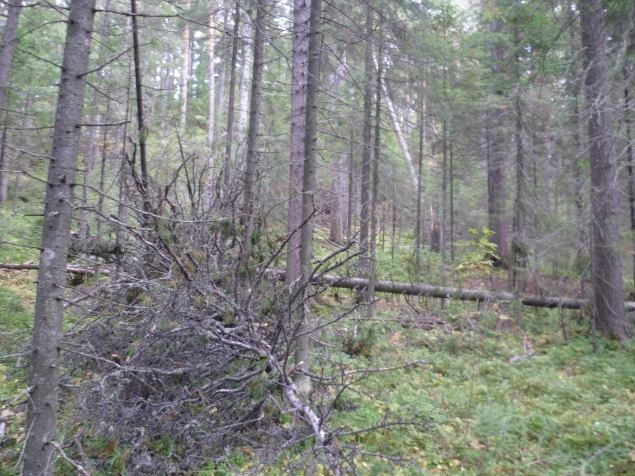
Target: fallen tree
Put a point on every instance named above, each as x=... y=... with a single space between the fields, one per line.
x=69 y=268
x=410 y=289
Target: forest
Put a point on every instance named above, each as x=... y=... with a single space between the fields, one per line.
x=317 y=237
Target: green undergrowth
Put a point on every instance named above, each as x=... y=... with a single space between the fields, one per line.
x=564 y=410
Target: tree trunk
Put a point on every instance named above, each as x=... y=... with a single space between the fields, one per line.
x=47 y=327
x=496 y=164
x=299 y=78
x=418 y=240
x=338 y=184
x=375 y=194
x=223 y=69
x=631 y=174
x=143 y=131
x=366 y=150
x=440 y=292
x=251 y=165
x=5 y=163
x=336 y=212
x=230 y=109
x=520 y=250
x=308 y=196
x=212 y=88
x=400 y=137
x=245 y=79
x=89 y=162
x=608 y=293
x=185 y=72
x=6 y=55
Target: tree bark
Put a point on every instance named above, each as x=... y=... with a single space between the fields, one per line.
x=364 y=214
x=185 y=72
x=631 y=174
x=308 y=196
x=143 y=131
x=212 y=88
x=47 y=327
x=299 y=78
x=230 y=108
x=251 y=165
x=243 y=107
x=223 y=69
x=608 y=293
x=421 y=124
x=14 y=7
x=375 y=195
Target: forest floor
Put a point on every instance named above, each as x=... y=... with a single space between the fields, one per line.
x=500 y=401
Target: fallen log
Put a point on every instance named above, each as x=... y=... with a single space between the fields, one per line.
x=410 y=289
x=69 y=268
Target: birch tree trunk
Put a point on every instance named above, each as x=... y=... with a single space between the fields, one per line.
x=49 y=310
x=299 y=78
x=608 y=293
x=14 y=7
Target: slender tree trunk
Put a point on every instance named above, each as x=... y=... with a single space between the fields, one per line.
x=251 y=165
x=349 y=213
x=308 y=196
x=5 y=162
x=185 y=72
x=520 y=240
x=400 y=137
x=375 y=194
x=451 y=204
x=14 y=7
x=143 y=131
x=49 y=310
x=223 y=69
x=212 y=87
x=336 y=212
x=102 y=177
x=338 y=183
x=299 y=78
x=419 y=187
x=16 y=190
x=496 y=164
x=608 y=294
x=631 y=174
x=364 y=218
x=230 y=109
x=89 y=162
x=245 y=79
